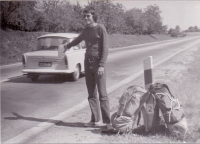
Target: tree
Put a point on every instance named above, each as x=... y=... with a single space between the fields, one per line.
x=173 y=33
x=191 y=29
x=56 y=15
x=136 y=21
x=18 y=14
x=164 y=29
x=178 y=29
x=109 y=14
x=77 y=23
x=61 y=16
x=196 y=29
x=154 y=20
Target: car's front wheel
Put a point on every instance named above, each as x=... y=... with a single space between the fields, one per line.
x=76 y=74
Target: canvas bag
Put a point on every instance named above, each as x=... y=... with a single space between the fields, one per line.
x=122 y=124
x=130 y=99
x=167 y=103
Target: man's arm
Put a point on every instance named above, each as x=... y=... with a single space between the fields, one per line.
x=105 y=45
x=75 y=41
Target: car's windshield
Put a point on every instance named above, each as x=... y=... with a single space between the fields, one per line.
x=50 y=43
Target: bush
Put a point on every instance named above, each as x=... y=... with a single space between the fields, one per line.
x=15 y=43
x=174 y=34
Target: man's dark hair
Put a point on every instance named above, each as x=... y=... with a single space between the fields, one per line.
x=87 y=10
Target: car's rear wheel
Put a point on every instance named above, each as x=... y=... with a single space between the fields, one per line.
x=76 y=74
x=34 y=77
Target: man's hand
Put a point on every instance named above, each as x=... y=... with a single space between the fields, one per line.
x=66 y=47
x=100 y=71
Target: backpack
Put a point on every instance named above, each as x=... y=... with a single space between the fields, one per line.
x=131 y=99
x=129 y=103
x=167 y=104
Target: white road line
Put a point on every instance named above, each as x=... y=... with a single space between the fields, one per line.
x=26 y=135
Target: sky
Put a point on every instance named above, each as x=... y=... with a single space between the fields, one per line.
x=184 y=13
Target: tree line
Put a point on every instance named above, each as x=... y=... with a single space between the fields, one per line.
x=62 y=16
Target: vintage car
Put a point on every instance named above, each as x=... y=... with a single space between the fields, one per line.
x=49 y=57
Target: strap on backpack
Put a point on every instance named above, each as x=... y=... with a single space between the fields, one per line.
x=172 y=99
x=139 y=114
x=170 y=96
x=169 y=91
x=139 y=117
x=155 y=123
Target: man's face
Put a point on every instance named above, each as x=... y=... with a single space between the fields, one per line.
x=88 y=17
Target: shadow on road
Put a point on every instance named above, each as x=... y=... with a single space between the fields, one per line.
x=43 y=79
x=56 y=122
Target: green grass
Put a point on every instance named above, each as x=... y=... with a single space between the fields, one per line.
x=119 y=40
x=15 y=43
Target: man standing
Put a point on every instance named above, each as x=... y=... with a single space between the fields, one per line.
x=96 y=39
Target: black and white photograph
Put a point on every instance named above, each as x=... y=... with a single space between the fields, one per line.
x=100 y=71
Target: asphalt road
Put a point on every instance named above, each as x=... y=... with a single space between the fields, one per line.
x=25 y=104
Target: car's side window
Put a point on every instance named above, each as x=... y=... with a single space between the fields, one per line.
x=65 y=41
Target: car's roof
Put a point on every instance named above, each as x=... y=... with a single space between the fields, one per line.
x=66 y=35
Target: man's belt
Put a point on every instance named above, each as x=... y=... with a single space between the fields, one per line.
x=94 y=59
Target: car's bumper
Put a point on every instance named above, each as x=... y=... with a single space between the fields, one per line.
x=46 y=71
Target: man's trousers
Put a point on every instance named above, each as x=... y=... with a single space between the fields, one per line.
x=94 y=83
